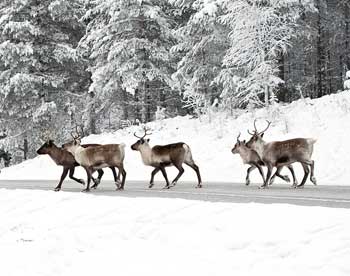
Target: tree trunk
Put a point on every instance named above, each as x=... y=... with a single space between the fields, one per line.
x=92 y=114
x=320 y=50
x=144 y=103
x=282 y=91
x=266 y=95
x=25 y=148
x=125 y=105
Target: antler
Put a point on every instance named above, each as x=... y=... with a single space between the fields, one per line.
x=268 y=125
x=78 y=134
x=256 y=129
x=82 y=133
x=239 y=135
x=75 y=135
x=145 y=129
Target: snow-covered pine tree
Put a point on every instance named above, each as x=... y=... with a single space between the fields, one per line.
x=38 y=64
x=260 y=32
x=128 y=42
x=201 y=45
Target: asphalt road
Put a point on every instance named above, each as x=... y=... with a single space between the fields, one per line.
x=328 y=196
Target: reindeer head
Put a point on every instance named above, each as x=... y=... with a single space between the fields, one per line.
x=238 y=145
x=256 y=141
x=75 y=143
x=46 y=147
x=141 y=142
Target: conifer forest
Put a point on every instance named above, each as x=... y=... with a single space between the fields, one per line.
x=108 y=64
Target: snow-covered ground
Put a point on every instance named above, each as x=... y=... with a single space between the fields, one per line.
x=43 y=233
x=211 y=138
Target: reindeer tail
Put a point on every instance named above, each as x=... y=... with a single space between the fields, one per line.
x=312 y=141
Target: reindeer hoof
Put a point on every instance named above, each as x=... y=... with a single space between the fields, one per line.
x=150 y=185
x=81 y=181
x=120 y=189
x=263 y=187
x=86 y=190
x=313 y=180
x=57 y=189
x=96 y=181
x=167 y=187
x=118 y=183
x=247 y=183
x=199 y=186
x=94 y=187
x=300 y=186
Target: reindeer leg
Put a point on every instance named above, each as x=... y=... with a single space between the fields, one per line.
x=196 y=169
x=89 y=176
x=312 y=177
x=162 y=169
x=295 y=181
x=261 y=171
x=306 y=174
x=123 y=172
x=268 y=176
x=97 y=180
x=154 y=172
x=63 y=176
x=247 y=179
x=181 y=171
x=277 y=173
x=116 y=178
x=71 y=176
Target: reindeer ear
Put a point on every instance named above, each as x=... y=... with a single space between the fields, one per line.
x=147 y=140
x=244 y=142
x=262 y=135
x=50 y=142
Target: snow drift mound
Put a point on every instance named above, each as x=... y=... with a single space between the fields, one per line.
x=211 y=138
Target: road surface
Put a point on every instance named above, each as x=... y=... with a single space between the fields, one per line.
x=328 y=196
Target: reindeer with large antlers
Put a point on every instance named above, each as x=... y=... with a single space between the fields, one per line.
x=283 y=153
x=98 y=157
x=251 y=157
x=160 y=157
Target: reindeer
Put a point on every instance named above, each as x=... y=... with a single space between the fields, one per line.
x=64 y=158
x=251 y=157
x=283 y=153
x=98 y=157
x=160 y=157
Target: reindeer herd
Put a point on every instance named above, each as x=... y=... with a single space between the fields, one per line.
x=256 y=152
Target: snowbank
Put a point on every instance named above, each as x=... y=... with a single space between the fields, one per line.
x=211 y=140
x=47 y=233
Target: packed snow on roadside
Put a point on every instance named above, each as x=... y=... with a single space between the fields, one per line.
x=211 y=138
x=48 y=233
